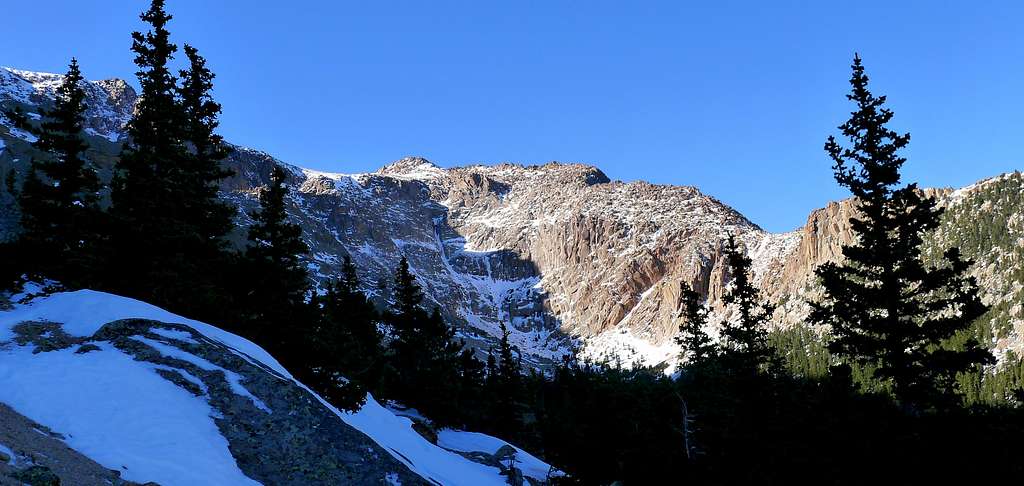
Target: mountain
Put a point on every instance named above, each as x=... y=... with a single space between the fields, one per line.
x=571 y=259
x=101 y=389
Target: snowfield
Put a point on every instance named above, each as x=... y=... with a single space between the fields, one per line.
x=122 y=414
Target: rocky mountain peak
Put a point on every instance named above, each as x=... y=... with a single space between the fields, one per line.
x=412 y=168
x=557 y=251
x=110 y=102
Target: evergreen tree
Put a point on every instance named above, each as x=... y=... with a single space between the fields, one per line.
x=424 y=352
x=746 y=335
x=884 y=306
x=439 y=393
x=407 y=296
x=405 y=319
x=472 y=389
x=274 y=309
x=169 y=227
x=347 y=358
x=507 y=389
x=491 y=368
x=59 y=200
x=207 y=150
x=695 y=344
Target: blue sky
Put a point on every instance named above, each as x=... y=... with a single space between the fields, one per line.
x=736 y=98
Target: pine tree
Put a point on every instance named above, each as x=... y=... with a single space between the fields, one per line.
x=347 y=354
x=408 y=295
x=885 y=307
x=491 y=368
x=60 y=213
x=695 y=344
x=404 y=317
x=472 y=386
x=746 y=335
x=274 y=309
x=141 y=186
x=207 y=150
x=424 y=353
x=169 y=227
x=438 y=383
x=507 y=388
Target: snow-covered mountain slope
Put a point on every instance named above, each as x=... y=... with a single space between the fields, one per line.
x=568 y=257
x=110 y=102
x=158 y=397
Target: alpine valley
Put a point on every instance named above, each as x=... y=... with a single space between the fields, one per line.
x=573 y=261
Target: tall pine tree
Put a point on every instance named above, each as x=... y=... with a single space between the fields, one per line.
x=507 y=389
x=60 y=213
x=424 y=353
x=273 y=308
x=694 y=342
x=886 y=308
x=347 y=353
x=746 y=335
x=169 y=227
x=206 y=152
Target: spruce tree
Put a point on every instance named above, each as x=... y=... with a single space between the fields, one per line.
x=695 y=344
x=746 y=335
x=274 y=308
x=440 y=378
x=407 y=297
x=206 y=152
x=471 y=386
x=347 y=355
x=885 y=307
x=60 y=213
x=169 y=226
x=424 y=353
x=404 y=317
x=507 y=388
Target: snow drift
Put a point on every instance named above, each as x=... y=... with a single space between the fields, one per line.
x=145 y=392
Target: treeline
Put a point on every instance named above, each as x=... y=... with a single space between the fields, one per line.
x=879 y=397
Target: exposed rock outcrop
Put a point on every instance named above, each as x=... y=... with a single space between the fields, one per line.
x=277 y=431
x=564 y=254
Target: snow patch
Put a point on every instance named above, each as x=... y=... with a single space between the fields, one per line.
x=83 y=312
x=174 y=334
x=234 y=379
x=121 y=415
x=458 y=440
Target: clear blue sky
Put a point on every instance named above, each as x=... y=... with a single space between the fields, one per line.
x=735 y=98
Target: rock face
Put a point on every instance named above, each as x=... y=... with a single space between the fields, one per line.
x=277 y=431
x=565 y=255
x=109 y=103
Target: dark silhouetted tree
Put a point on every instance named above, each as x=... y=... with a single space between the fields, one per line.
x=886 y=308
x=695 y=344
x=274 y=309
x=169 y=226
x=746 y=334
x=206 y=152
x=59 y=200
x=424 y=353
x=347 y=357
x=506 y=389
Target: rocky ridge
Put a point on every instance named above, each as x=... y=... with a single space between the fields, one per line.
x=567 y=256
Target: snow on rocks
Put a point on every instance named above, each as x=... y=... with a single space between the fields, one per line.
x=164 y=398
x=531 y=466
x=109 y=102
x=119 y=414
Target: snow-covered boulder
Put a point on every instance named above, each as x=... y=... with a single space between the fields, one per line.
x=166 y=399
